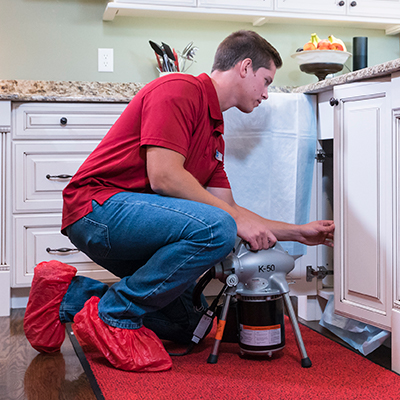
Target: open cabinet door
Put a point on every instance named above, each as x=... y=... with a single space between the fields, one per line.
x=363 y=203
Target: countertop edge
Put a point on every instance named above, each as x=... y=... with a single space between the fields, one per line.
x=376 y=71
x=114 y=92
x=68 y=91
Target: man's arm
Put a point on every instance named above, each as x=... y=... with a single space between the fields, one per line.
x=168 y=177
x=313 y=233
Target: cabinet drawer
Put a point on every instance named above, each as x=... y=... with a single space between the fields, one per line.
x=63 y=120
x=42 y=170
x=38 y=238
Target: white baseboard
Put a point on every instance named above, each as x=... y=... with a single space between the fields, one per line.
x=19 y=297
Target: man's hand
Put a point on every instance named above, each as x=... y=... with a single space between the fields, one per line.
x=317 y=232
x=255 y=233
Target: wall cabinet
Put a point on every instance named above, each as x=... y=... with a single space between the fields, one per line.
x=238 y=4
x=189 y=3
x=370 y=8
x=373 y=8
x=312 y=6
x=376 y=14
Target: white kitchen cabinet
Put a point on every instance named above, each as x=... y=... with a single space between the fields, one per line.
x=311 y=6
x=57 y=121
x=5 y=271
x=43 y=170
x=363 y=193
x=396 y=195
x=238 y=4
x=190 y=3
x=396 y=222
x=369 y=8
x=374 y=8
x=49 y=143
x=38 y=238
x=374 y=14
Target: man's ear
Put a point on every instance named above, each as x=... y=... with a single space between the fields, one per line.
x=246 y=66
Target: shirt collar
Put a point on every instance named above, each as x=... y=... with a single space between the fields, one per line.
x=213 y=102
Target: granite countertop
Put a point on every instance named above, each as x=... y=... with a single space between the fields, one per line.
x=366 y=73
x=76 y=91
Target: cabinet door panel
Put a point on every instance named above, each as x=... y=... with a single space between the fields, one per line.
x=161 y=2
x=38 y=238
x=360 y=200
x=238 y=4
x=396 y=157
x=363 y=203
x=35 y=170
x=374 y=8
x=311 y=6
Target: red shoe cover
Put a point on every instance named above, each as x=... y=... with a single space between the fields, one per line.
x=42 y=324
x=137 y=350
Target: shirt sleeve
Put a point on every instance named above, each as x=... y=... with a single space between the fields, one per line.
x=219 y=179
x=169 y=115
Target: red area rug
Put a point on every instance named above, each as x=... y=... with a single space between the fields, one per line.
x=336 y=373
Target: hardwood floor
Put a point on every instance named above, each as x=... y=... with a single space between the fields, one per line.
x=27 y=374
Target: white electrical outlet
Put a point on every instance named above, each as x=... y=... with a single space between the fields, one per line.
x=105 y=60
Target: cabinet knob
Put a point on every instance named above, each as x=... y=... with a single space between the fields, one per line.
x=341 y=3
x=353 y=4
x=333 y=101
x=63 y=121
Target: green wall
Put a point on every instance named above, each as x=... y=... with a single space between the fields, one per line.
x=58 y=40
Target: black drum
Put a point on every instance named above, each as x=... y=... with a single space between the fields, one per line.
x=261 y=324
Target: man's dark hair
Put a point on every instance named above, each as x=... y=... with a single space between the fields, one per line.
x=245 y=44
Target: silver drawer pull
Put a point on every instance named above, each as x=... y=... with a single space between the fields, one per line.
x=63 y=250
x=55 y=177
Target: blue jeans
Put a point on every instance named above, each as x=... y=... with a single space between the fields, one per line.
x=158 y=246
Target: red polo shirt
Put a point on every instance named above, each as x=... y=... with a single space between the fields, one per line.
x=179 y=112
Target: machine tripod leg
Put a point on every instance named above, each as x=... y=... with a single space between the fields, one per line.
x=213 y=357
x=305 y=361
